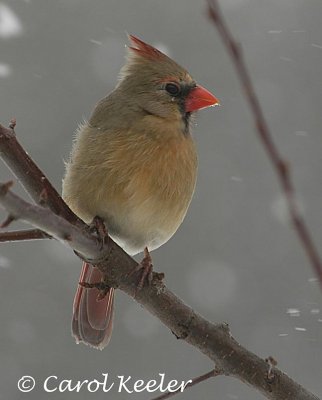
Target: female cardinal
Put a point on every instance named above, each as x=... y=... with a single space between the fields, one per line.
x=134 y=165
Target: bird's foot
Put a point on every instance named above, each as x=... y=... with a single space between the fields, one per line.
x=98 y=226
x=102 y=287
x=145 y=268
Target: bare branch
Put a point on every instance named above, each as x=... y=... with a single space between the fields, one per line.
x=214 y=340
x=30 y=176
x=7 y=221
x=193 y=382
x=279 y=164
x=27 y=234
x=46 y=220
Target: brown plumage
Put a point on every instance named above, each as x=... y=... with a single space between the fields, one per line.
x=134 y=165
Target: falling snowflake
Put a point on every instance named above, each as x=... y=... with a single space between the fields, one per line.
x=293 y=312
x=301 y=133
x=297 y=328
x=4 y=262
x=5 y=70
x=10 y=24
x=318 y=46
x=236 y=178
x=280 y=209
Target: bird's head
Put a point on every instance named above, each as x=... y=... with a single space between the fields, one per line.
x=159 y=85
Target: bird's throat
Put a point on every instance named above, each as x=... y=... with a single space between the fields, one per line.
x=186 y=118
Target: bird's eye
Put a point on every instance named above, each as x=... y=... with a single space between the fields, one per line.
x=173 y=89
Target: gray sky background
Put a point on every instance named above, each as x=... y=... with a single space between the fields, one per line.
x=235 y=258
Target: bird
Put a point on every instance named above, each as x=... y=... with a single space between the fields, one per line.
x=133 y=165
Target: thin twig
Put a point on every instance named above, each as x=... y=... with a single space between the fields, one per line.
x=279 y=164
x=193 y=382
x=27 y=234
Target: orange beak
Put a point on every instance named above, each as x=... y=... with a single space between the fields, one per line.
x=199 y=98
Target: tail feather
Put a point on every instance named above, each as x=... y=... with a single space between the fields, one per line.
x=92 y=321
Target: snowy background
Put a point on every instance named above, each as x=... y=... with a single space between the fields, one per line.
x=235 y=258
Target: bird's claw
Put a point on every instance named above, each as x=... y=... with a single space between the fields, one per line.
x=146 y=269
x=98 y=226
x=100 y=286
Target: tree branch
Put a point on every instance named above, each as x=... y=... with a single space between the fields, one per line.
x=46 y=220
x=194 y=381
x=214 y=340
x=280 y=166
x=30 y=176
x=27 y=234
